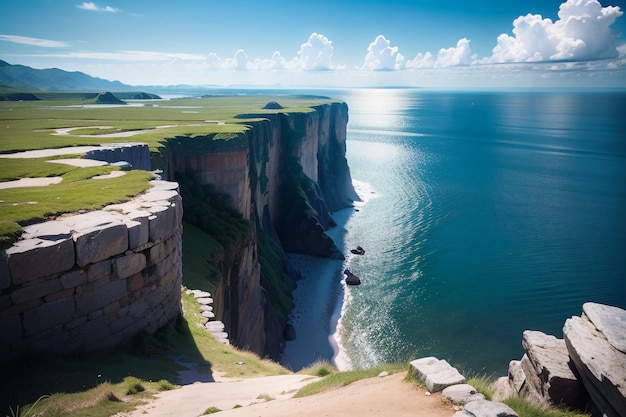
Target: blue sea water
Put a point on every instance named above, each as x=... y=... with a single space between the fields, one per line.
x=485 y=214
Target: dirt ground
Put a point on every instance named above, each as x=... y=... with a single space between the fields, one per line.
x=271 y=396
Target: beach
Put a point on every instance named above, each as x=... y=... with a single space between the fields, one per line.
x=320 y=298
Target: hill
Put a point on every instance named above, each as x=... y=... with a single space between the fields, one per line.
x=24 y=78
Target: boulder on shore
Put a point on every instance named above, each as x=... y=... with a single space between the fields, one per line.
x=351 y=279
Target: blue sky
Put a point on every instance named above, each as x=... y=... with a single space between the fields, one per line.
x=458 y=43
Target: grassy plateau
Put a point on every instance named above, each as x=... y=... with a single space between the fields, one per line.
x=112 y=382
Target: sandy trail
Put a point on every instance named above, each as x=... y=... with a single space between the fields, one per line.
x=192 y=400
x=388 y=396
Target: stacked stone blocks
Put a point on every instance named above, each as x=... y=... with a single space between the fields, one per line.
x=93 y=281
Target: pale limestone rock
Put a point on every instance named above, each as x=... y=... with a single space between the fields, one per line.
x=215 y=326
x=420 y=368
x=461 y=394
x=549 y=369
x=502 y=389
x=517 y=377
x=611 y=321
x=437 y=374
x=201 y=294
x=601 y=366
x=484 y=408
x=437 y=381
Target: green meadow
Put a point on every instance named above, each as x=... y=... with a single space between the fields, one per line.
x=66 y=120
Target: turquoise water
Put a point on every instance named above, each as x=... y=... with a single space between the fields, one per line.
x=486 y=214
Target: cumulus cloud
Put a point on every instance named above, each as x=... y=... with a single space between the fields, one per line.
x=456 y=56
x=241 y=60
x=46 y=43
x=582 y=33
x=460 y=55
x=315 y=53
x=95 y=8
x=381 y=56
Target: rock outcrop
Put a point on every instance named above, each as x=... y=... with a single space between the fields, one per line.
x=586 y=369
x=285 y=173
x=595 y=343
x=549 y=371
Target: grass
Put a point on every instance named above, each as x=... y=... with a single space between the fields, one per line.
x=265 y=397
x=99 y=386
x=200 y=253
x=33 y=125
x=524 y=408
x=482 y=384
x=88 y=385
x=320 y=368
x=340 y=379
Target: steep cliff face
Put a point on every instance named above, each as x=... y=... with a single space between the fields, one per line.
x=285 y=175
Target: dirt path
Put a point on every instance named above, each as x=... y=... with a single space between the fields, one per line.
x=388 y=396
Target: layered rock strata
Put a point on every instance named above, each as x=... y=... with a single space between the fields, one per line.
x=286 y=173
x=92 y=281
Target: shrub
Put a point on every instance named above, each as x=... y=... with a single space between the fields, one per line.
x=133 y=385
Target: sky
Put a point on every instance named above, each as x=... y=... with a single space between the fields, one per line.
x=325 y=43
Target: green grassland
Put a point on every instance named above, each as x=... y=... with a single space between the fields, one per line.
x=70 y=119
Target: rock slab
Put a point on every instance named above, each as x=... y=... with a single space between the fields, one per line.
x=461 y=394
x=484 y=408
x=548 y=368
x=437 y=374
x=601 y=366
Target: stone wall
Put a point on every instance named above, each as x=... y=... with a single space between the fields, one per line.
x=93 y=281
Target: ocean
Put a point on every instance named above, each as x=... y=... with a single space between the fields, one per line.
x=483 y=214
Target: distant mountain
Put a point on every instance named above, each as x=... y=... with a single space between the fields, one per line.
x=23 y=78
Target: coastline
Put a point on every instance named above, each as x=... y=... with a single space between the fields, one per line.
x=316 y=298
x=319 y=299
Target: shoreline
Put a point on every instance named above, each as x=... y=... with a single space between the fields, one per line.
x=316 y=298
x=319 y=298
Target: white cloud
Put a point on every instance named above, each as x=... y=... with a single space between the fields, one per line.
x=46 y=43
x=382 y=56
x=315 y=54
x=241 y=60
x=421 y=61
x=95 y=8
x=460 y=55
x=582 y=33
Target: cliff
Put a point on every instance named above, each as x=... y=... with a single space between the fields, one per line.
x=258 y=189
x=283 y=176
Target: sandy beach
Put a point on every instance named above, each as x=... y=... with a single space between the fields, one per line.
x=317 y=298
